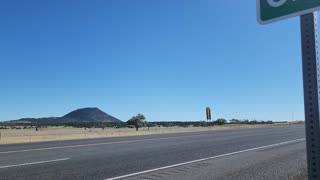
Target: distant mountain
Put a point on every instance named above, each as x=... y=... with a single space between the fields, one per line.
x=90 y=115
x=34 y=120
x=79 y=115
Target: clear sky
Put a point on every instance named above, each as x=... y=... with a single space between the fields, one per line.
x=167 y=59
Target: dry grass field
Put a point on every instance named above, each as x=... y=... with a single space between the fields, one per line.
x=9 y=136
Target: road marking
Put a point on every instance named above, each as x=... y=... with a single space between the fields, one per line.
x=98 y=144
x=32 y=163
x=204 y=159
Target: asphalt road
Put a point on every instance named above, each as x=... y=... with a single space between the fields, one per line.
x=256 y=153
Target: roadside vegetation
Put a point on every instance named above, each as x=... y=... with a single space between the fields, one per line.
x=137 y=125
x=134 y=122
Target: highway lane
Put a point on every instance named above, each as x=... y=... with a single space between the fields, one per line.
x=112 y=157
x=287 y=162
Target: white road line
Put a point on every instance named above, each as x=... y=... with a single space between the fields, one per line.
x=204 y=159
x=32 y=163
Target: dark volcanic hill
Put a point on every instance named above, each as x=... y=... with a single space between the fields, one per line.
x=90 y=115
x=79 y=115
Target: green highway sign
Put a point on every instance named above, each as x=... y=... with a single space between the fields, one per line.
x=275 y=10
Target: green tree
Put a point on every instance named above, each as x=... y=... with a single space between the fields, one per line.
x=137 y=121
x=234 y=121
x=253 y=122
x=220 y=121
x=246 y=121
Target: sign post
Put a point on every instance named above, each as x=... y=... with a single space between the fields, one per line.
x=208 y=113
x=274 y=10
x=310 y=66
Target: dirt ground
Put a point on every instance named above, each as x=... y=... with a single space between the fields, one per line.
x=10 y=136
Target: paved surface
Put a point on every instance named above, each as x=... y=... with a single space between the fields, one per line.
x=113 y=157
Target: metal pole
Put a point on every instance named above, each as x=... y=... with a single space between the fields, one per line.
x=310 y=66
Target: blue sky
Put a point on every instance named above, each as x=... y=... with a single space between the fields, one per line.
x=167 y=59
